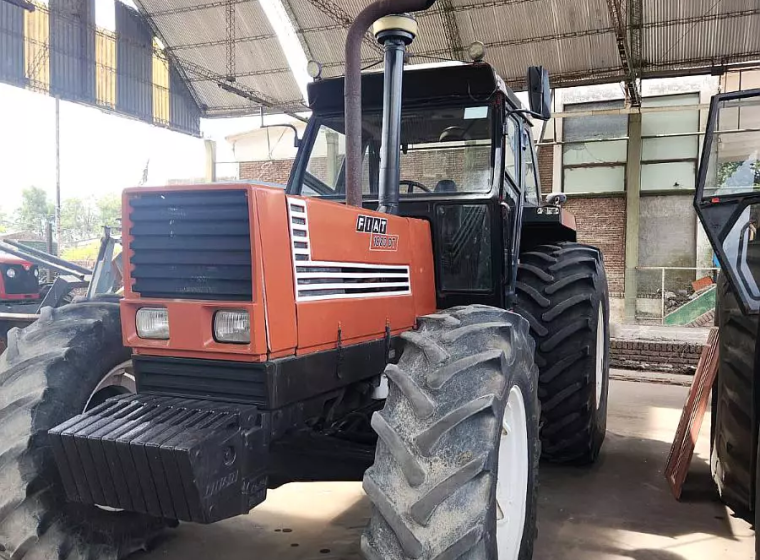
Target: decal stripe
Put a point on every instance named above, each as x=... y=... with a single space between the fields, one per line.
x=324 y=280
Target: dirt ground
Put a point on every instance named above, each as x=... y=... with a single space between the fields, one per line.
x=619 y=509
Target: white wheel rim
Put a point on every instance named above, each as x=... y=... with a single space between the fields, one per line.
x=120 y=376
x=600 y=347
x=512 y=478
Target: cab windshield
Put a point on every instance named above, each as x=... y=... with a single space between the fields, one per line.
x=443 y=150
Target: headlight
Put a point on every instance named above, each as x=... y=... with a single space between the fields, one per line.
x=152 y=322
x=36 y=273
x=11 y=273
x=232 y=326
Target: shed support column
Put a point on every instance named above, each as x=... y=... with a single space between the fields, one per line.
x=633 y=188
x=210 y=146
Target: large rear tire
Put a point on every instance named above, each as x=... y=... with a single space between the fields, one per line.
x=454 y=476
x=734 y=429
x=48 y=374
x=562 y=292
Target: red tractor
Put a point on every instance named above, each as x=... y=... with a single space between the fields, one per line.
x=395 y=315
x=19 y=280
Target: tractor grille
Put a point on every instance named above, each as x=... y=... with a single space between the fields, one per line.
x=191 y=245
x=218 y=380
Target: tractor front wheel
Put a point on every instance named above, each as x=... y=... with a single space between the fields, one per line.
x=455 y=472
x=69 y=358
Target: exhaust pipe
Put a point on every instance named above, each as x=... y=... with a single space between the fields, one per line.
x=353 y=93
x=395 y=33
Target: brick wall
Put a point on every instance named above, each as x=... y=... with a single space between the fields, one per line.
x=467 y=168
x=601 y=222
x=546 y=168
x=275 y=171
x=673 y=357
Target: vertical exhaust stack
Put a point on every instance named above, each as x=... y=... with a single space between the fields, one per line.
x=395 y=33
x=353 y=89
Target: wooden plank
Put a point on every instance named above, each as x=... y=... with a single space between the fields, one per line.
x=682 y=450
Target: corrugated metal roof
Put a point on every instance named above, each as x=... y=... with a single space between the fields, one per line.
x=579 y=41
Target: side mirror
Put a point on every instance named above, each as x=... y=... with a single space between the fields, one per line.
x=539 y=92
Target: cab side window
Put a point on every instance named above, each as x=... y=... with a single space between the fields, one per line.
x=530 y=173
x=511 y=149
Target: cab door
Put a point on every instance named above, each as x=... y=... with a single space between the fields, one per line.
x=727 y=199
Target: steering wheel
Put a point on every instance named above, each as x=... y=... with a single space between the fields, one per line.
x=412 y=184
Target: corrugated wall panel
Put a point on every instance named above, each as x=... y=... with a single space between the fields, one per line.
x=72 y=49
x=105 y=69
x=36 y=50
x=160 y=88
x=184 y=112
x=11 y=44
x=134 y=62
x=58 y=49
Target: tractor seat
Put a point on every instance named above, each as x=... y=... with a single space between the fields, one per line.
x=445 y=186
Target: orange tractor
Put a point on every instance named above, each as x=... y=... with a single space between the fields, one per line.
x=394 y=315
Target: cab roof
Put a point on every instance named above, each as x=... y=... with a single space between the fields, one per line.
x=467 y=82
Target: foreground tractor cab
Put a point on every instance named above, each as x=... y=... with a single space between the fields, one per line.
x=728 y=205
x=394 y=316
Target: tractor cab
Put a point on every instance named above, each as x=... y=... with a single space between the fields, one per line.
x=467 y=165
x=727 y=199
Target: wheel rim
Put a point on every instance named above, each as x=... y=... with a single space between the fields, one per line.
x=600 y=348
x=120 y=380
x=512 y=478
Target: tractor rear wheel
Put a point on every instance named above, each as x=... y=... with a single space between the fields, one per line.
x=734 y=421
x=51 y=370
x=455 y=472
x=562 y=292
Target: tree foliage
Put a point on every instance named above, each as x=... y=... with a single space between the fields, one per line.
x=81 y=218
x=744 y=173
x=109 y=209
x=36 y=211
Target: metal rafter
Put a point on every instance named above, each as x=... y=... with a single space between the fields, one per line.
x=701 y=19
x=23 y=4
x=451 y=28
x=195 y=8
x=529 y=40
x=229 y=20
x=290 y=108
x=475 y=6
x=249 y=74
x=241 y=90
x=636 y=22
x=340 y=15
x=171 y=56
x=225 y=41
x=618 y=18
x=250 y=93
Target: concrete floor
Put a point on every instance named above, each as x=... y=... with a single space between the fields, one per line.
x=619 y=509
